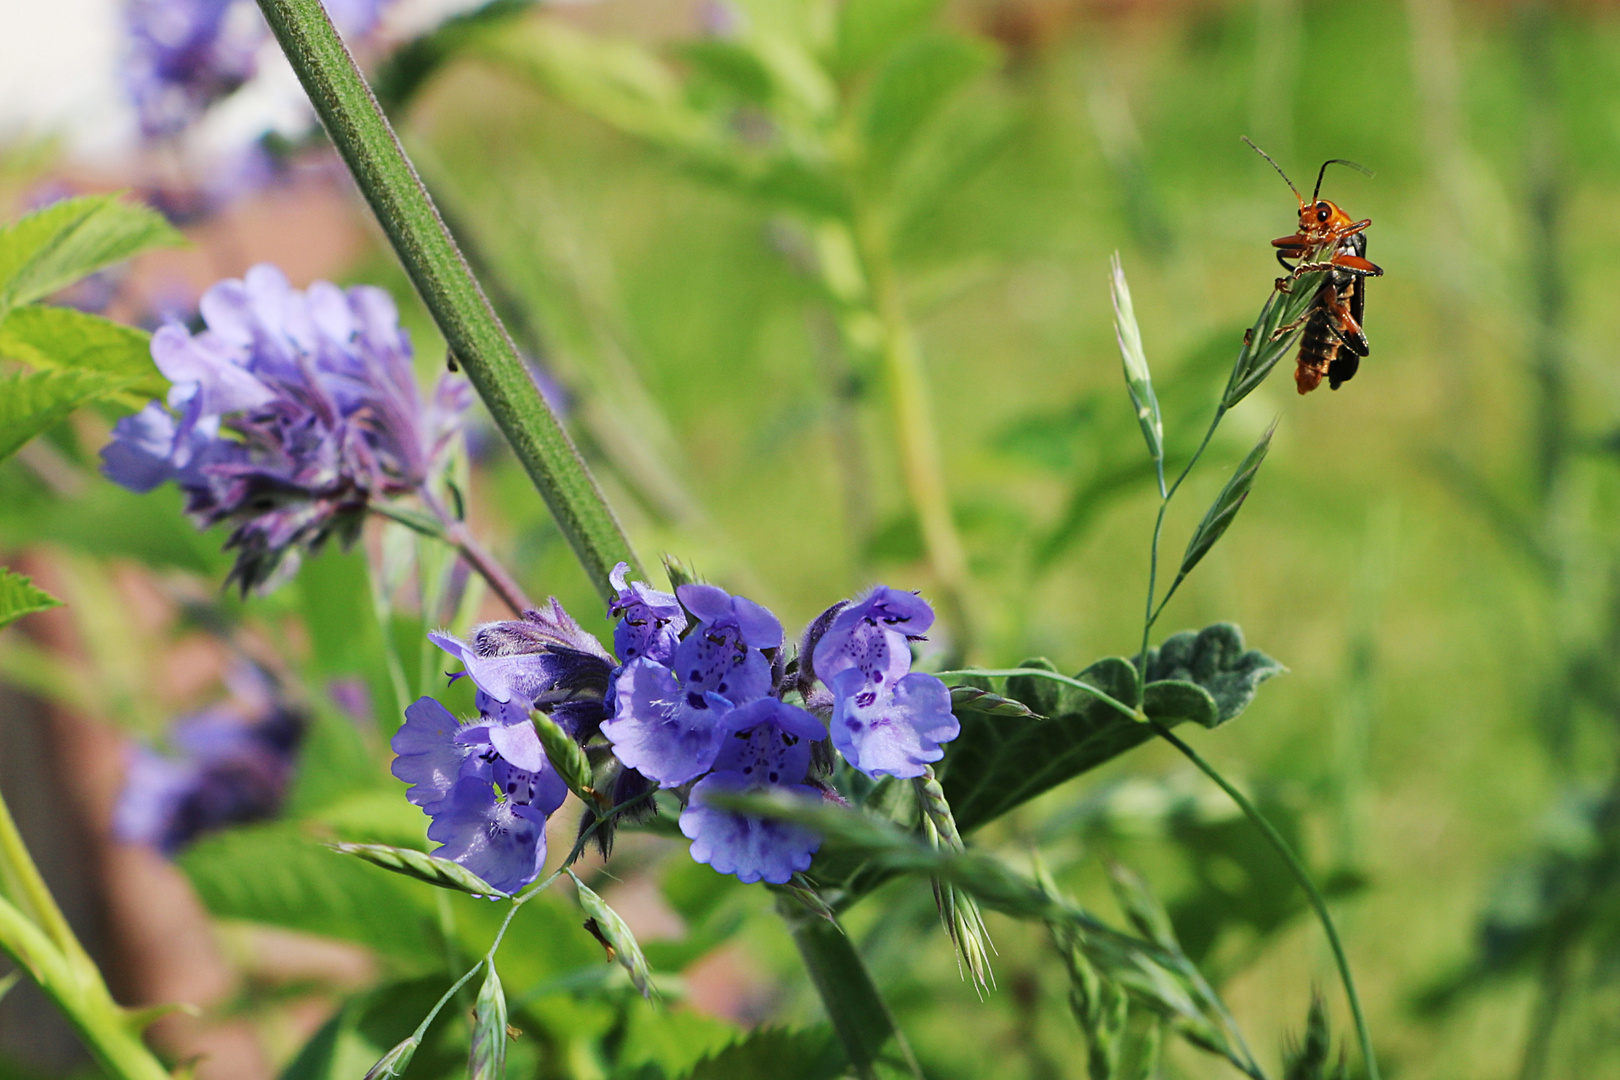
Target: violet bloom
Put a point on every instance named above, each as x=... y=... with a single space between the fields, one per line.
x=886 y=718
x=286 y=417
x=230 y=769
x=764 y=744
x=665 y=721
x=650 y=621
x=488 y=788
x=184 y=55
x=544 y=660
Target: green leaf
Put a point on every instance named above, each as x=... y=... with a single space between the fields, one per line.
x=774 y=1054
x=1226 y=505
x=1137 y=379
x=52 y=248
x=19 y=597
x=616 y=937
x=911 y=86
x=1214 y=659
x=1000 y=762
x=1171 y=701
x=375 y=1030
x=33 y=401
x=274 y=874
x=486 y=1058
x=869 y=28
x=53 y=338
x=421 y=866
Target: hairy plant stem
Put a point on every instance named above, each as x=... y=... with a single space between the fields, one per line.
x=41 y=943
x=915 y=433
x=389 y=182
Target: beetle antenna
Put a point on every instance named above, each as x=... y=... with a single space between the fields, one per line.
x=1362 y=169
x=1276 y=166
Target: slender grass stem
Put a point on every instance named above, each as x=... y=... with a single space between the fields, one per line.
x=436 y=267
x=1301 y=875
x=915 y=432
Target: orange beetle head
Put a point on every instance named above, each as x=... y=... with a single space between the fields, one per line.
x=1322 y=217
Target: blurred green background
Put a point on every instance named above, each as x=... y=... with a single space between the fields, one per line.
x=1430 y=549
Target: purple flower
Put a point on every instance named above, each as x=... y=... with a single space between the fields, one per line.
x=886 y=718
x=487 y=786
x=650 y=621
x=286 y=417
x=665 y=717
x=763 y=744
x=186 y=54
x=231 y=768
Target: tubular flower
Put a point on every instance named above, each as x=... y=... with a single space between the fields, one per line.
x=286 y=417
x=665 y=720
x=886 y=718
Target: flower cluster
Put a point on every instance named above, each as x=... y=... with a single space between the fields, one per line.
x=184 y=55
x=693 y=701
x=232 y=765
x=286 y=417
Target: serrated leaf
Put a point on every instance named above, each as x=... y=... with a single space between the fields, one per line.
x=274 y=874
x=774 y=1054
x=567 y=757
x=615 y=935
x=998 y=763
x=1137 y=378
x=1215 y=659
x=970 y=699
x=486 y=1058
x=33 y=401
x=53 y=338
x=1221 y=513
x=911 y=86
x=19 y=597
x=421 y=866
x=52 y=248
x=1172 y=701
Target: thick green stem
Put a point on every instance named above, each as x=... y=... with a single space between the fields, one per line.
x=915 y=434
x=46 y=948
x=1301 y=875
x=476 y=337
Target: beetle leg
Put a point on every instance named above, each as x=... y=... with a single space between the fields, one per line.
x=1355 y=264
x=1328 y=297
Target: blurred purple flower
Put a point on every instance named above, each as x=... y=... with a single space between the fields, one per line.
x=665 y=717
x=886 y=718
x=764 y=744
x=228 y=769
x=487 y=786
x=184 y=55
x=286 y=417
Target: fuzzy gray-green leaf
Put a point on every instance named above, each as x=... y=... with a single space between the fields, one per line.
x=1137 y=378
x=1171 y=701
x=1215 y=659
x=1226 y=505
x=620 y=942
x=422 y=866
x=486 y=1058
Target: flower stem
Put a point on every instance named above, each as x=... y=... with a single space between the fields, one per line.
x=476 y=337
x=1301 y=875
x=478 y=557
x=918 y=442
